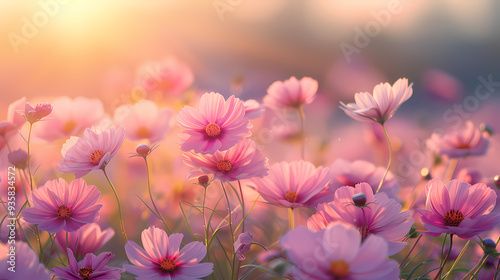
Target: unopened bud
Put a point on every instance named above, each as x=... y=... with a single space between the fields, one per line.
x=18 y=158
x=359 y=199
x=143 y=149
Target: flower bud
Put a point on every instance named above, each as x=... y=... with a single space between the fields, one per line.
x=143 y=149
x=359 y=199
x=203 y=180
x=19 y=158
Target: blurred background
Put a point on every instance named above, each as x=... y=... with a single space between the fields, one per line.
x=93 y=48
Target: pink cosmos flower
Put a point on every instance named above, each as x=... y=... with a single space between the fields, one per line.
x=87 y=239
x=293 y=184
x=253 y=109
x=91 y=267
x=169 y=76
x=161 y=259
x=291 y=93
x=91 y=152
x=337 y=252
x=57 y=205
x=35 y=114
x=242 y=161
x=144 y=120
x=24 y=260
x=381 y=216
x=218 y=125
x=380 y=106
x=345 y=173
x=464 y=141
x=242 y=245
x=13 y=123
x=458 y=208
x=70 y=117
x=19 y=158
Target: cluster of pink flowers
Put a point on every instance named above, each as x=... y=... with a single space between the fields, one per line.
x=214 y=182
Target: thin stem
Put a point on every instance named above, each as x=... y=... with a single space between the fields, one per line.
x=496 y=271
x=457 y=260
x=118 y=201
x=445 y=259
x=291 y=220
x=152 y=200
x=230 y=228
x=409 y=253
x=205 y=229
x=6 y=143
x=302 y=117
x=451 y=169
x=67 y=242
x=390 y=158
x=29 y=157
x=242 y=208
x=31 y=187
x=472 y=273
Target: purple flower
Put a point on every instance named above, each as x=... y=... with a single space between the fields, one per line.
x=161 y=258
x=86 y=239
x=336 y=252
x=57 y=205
x=459 y=208
x=25 y=262
x=91 y=267
x=242 y=245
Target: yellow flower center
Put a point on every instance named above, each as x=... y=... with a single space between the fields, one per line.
x=291 y=196
x=224 y=165
x=143 y=132
x=69 y=126
x=212 y=129
x=339 y=269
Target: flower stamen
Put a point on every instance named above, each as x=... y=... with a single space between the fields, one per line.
x=339 y=268
x=96 y=156
x=63 y=211
x=453 y=218
x=291 y=196
x=212 y=130
x=224 y=165
x=167 y=265
x=85 y=272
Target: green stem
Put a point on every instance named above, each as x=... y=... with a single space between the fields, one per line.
x=152 y=200
x=118 y=201
x=457 y=260
x=67 y=240
x=390 y=158
x=230 y=229
x=31 y=187
x=445 y=259
x=302 y=117
x=242 y=208
x=205 y=228
x=291 y=218
x=451 y=169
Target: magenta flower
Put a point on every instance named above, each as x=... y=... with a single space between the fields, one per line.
x=291 y=93
x=144 y=120
x=87 y=239
x=242 y=161
x=337 y=252
x=169 y=76
x=23 y=265
x=380 y=106
x=253 y=109
x=40 y=111
x=19 y=158
x=242 y=244
x=161 y=259
x=70 y=117
x=381 y=216
x=458 y=208
x=92 y=152
x=91 y=267
x=218 y=125
x=57 y=205
x=465 y=141
x=345 y=173
x=293 y=184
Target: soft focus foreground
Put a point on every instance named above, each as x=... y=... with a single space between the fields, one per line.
x=177 y=162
